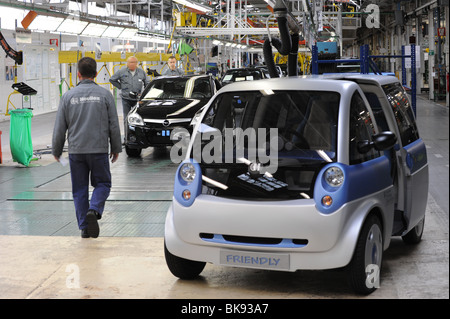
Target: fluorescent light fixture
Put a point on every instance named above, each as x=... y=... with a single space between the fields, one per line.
x=94 y=30
x=159 y=40
x=128 y=33
x=45 y=23
x=216 y=42
x=72 y=26
x=112 y=32
x=149 y=38
x=194 y=5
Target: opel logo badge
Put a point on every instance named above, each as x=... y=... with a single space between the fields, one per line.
x=166 y=123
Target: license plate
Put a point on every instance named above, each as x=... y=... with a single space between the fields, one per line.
x=254 y=259
x=164 y=133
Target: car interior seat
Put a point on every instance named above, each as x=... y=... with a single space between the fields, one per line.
x=318 y=129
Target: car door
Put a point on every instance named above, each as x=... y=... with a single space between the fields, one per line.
x=412 y=156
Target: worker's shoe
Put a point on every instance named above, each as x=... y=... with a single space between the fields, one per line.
x=92 y=228
x=84 y=233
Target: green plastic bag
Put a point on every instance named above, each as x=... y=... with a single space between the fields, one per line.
x=20 y=136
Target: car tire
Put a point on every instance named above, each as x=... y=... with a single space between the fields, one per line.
x=183 y=268
x=364 y=268
x=133 y=152
x=414 y=236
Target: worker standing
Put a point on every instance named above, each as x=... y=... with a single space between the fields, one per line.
x=131 y=81
x=172 y=70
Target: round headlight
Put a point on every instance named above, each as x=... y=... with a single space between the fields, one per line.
x=334 y=176
x=187 y=172
x=135 y=119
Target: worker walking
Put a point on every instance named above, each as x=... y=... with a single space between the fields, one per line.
x=89 y=116
x=131 y=81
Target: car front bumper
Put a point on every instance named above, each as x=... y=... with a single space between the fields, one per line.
x=236 y=233
x=143 y=137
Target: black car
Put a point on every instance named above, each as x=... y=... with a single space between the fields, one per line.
x=166 y=103
x=266 y=71
x=242 y=74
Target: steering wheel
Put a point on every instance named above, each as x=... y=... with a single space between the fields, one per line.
x=302 y=143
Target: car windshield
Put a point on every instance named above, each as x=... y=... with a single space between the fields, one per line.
x=294 y=136
x=241 y=75
x=306 y=121
x=178 y=88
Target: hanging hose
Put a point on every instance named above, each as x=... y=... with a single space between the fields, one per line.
x=268 y=57
x=287 y=45
x=293 y=56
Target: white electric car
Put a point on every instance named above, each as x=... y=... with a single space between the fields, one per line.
x=335 y=167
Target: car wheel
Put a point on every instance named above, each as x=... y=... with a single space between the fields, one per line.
x=133 y=152
x=364 y=268
x=414 y=236
x=183 y=268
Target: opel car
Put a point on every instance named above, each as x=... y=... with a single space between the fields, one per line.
x=168 y=102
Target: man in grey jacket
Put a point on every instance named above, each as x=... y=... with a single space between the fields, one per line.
x=131 y=80
x=172 y=67
x=89 y=116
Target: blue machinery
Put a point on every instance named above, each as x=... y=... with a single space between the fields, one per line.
x=366 y=63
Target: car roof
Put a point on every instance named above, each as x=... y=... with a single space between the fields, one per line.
x=335 y=82
x=244 y=69
x=380 y=79
x=182 y=76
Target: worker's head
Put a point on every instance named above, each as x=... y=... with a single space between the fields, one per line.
x=87 y=68
x=172 y=62
x=132 y=63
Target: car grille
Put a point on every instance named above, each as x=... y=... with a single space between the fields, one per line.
x=183 y=122
x=254 y=241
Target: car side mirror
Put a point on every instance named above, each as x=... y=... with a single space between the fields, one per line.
x=381 y=142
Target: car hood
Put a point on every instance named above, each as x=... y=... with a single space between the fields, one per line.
x=172 y=108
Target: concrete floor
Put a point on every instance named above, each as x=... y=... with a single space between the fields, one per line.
x=43 y=256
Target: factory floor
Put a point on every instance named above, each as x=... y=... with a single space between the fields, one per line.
x=42 y=254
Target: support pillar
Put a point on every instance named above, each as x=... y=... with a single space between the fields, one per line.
x=432 y=48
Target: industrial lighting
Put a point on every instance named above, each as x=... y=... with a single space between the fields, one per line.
x=194 y=5
x=128 y=33
x=112 y=32
x=149 y=38
x=158 y=40
x=72 y=26
x=45 y=23
x=94 y=30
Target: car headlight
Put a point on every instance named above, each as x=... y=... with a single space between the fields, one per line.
x=196 y=117
x=135 y=119
x=187 y=172
x=334 y=176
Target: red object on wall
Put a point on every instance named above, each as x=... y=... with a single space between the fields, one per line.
x=54 y=42
x=447 y=82
x=441 y=32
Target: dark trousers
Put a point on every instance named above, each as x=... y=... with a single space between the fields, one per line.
x=127 y=105
x=96 y=168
